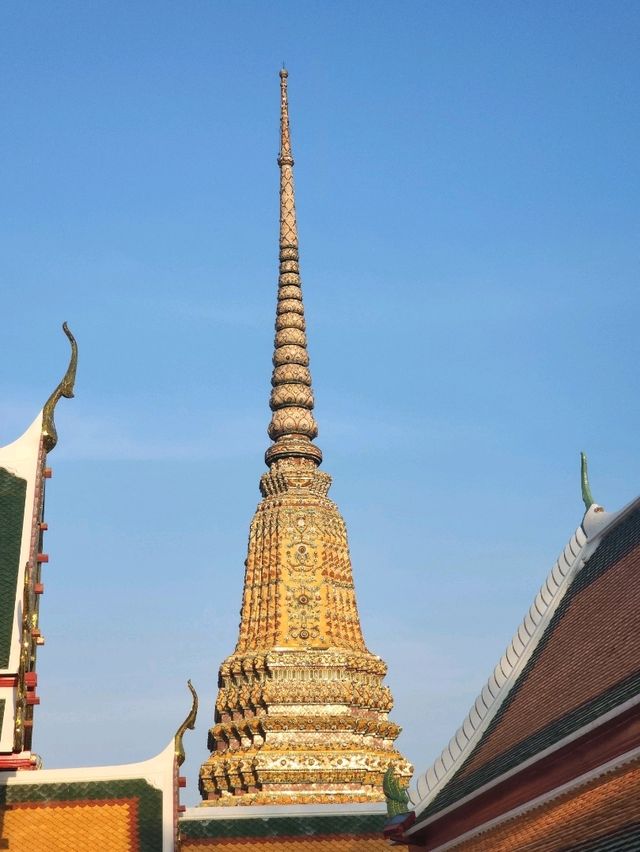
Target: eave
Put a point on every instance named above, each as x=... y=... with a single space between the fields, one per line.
x=597 y=748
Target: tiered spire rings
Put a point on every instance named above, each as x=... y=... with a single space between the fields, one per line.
x=292 y=425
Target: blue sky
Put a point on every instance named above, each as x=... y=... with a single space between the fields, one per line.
x=467 y=186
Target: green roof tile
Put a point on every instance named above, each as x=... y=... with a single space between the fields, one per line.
x=624 y=840
x=149 y=828
x=12 y=499
x=285 y=826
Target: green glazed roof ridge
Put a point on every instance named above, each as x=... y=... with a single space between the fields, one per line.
x=580 y=547
x=300 y=825
x=68 y=791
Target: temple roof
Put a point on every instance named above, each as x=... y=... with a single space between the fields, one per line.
x=111 y=808
x=573 y=662
x=22 y=485
x=330 y=828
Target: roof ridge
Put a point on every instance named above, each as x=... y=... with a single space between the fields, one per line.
x=578 y=550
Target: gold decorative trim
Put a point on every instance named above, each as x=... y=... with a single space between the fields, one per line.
x=65 y=388
x=188 y=724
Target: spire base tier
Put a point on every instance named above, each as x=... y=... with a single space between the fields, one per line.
x=301 y=726
x=302 y=710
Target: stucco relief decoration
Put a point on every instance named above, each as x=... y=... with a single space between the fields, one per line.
x=303 y=609
x=301 y=533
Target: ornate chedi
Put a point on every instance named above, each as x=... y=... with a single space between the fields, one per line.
x=301 y=713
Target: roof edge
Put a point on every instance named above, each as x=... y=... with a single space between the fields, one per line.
x=573 y=785
x=153 y=770
x=578 y=550
x=612 y=715
x=213 y=812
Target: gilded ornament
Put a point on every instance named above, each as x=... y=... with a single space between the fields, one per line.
x=188 y=724
x=65 y=388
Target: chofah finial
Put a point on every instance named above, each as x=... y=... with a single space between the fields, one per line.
x=65 y=388
x=587 y=497
x=188 y=725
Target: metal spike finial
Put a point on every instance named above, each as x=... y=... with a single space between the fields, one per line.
x=65 y=388
x=292 y=426
x=587 y=497
x=285 y=158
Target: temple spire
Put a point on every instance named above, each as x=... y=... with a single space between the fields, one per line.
x=292 y=426
x=301 y=715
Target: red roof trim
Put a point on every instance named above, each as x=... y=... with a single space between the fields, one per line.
x=595 y=748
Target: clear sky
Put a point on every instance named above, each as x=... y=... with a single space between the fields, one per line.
x=467 y=185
